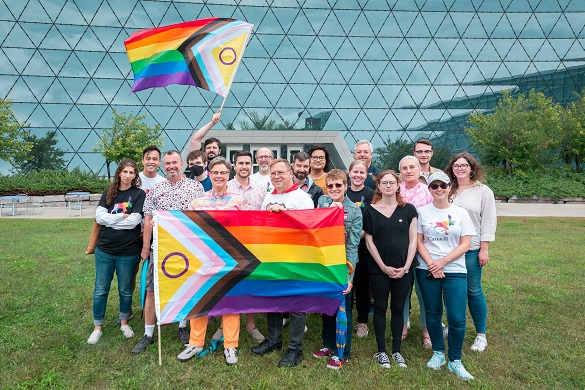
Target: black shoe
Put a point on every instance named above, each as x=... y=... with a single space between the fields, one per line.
x=184 y=335
x=291 y=358
x=265 y=347
x=119 y=321
x=144 y=342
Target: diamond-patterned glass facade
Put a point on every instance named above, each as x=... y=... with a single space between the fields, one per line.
x=373 y=69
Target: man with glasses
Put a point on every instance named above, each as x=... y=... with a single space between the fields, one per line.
x=364 y=150
x=286 y=196
x=423 y=150
x=264 y=157
x=301 y=167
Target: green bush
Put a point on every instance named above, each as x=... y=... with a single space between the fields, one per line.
x=47 y=182
x=554 y=182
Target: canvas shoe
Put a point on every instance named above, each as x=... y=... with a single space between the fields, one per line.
x=323 y=352
x=144 y=342
x=231 y=356
x=188 y=353
x=480 y=344
x=256 y=335
x=94 y=337
x=335 y=363
x=183 y=335
x=437 y=361
x=383 y=360
x=361 y=330
x=397 y=357
x=457 y=367
x=127 y=331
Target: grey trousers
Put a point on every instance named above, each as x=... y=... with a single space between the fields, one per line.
x=297 y=329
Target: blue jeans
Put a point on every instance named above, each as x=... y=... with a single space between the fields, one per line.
x=329 y=329
x=421 y=304
x=105 y=265
x=452 y=289
x=475 y=296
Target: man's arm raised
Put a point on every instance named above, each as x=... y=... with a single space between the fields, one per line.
x=202 y=132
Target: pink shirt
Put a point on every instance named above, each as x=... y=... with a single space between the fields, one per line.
x=253 y=194
x=418 y=195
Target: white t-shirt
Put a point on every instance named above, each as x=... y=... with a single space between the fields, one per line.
x=442 y=231
x=148 y=183
x=294 y=200
x=264 y=181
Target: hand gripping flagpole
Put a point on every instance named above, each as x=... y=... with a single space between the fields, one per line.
x=238 y=64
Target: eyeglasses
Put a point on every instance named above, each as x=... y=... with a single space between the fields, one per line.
x=336 y=185
x=278 y=173
x=442 y=185
x=318 y=158
x=423 y=151
x=264 y=157
x=217 y=173
x=387 y=183
x=460 y=166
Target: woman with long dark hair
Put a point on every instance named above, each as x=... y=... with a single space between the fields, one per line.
x=390 y=227
x=119 y=213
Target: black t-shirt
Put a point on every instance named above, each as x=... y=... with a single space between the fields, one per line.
x=362 y=198
x=123 y=242
x=391 y=235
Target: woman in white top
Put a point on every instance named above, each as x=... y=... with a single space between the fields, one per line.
x=468 y=192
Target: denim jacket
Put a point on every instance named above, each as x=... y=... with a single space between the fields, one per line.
x=352 y=221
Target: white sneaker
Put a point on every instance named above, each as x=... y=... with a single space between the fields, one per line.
x=127 y=331
x=480 y=344
x=456 y=367
x=231 y=356
x=94 y=337
x=188 y=353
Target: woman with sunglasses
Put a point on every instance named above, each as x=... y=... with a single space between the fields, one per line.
x=119 y=212
x=362 y=196
x=444 y=235
x=390 y=228
x=478 y=199
x=337 y=186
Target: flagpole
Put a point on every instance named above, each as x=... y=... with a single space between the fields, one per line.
x=159 y=348
x=237 y=66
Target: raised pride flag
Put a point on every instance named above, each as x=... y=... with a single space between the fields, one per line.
x=204 y=53
x=224 y=262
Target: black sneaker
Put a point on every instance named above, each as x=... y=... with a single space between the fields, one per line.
x=291 y=358
x=119 y=321
x=144 y=342
x=265 y=347
x=183 y=334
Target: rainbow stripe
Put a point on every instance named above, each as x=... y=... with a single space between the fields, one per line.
x=223 y=262
x=203 y=53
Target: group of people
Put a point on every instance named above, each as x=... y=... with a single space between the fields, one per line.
x=420 y=227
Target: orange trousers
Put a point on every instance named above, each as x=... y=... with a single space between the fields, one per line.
x=231 y=330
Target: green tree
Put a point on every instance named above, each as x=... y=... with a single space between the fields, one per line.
x=127 y=138
x=389 y=157
x=12 y=133
x=572 y=135
x=44 y=154
x=522 y=132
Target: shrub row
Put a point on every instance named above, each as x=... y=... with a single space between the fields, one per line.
x=46 y=182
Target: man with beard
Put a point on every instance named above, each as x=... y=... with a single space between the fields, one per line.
x=364 y=150
x=253 y=194
x=264 y=157
x=301 y=164
x=211 y=146
x=286 y=196
x=173 y=193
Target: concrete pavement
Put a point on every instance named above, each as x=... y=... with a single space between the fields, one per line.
x=503 y=210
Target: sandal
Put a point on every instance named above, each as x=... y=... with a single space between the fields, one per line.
x=426 y=342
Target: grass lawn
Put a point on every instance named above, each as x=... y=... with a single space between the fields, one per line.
x=535 y=286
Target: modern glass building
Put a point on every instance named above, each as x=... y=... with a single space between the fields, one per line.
x=373 y=69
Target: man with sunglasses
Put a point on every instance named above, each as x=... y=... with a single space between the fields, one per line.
x=423 y=150
x=301 y=165
x=286 y=196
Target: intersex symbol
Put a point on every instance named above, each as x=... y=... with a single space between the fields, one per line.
x=163 y=266
x=232 y=60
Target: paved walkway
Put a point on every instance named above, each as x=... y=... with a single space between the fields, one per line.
x=503 y=210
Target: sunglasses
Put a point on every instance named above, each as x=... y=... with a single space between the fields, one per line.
x=442 y=185
x=336 y=185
